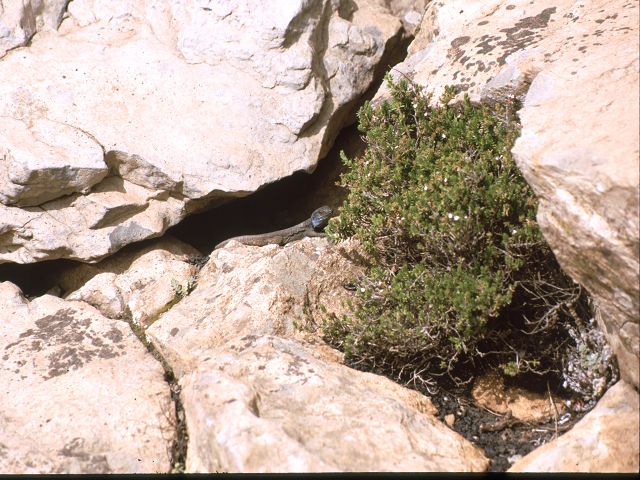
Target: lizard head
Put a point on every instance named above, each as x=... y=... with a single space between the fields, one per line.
x=320 y=218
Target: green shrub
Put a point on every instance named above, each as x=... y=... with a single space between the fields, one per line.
x=459 y=270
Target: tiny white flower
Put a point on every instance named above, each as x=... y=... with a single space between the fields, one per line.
x=362 y=289
x=456 y=218
x=514 y=231
x=444 y=136
x=425 y=188
x=445 y=179
x=450 y=215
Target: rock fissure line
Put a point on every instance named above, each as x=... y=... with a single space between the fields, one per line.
x=178 y=449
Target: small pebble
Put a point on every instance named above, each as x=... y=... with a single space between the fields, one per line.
x=450 y=419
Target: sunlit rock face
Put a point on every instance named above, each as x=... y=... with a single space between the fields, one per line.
x=132 y=113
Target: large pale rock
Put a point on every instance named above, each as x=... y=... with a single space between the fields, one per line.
x=21 y=19
x=266 y=404
x=80 y=393
x=469 y=43
x=579 y=149
x=605 y=440
x=137 y=283
x=190 y=102
x=87 y=227
x=45 y=161
x=242 y=290
x=575 y=67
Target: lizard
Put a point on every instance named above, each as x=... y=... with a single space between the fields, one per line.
x=312 y=227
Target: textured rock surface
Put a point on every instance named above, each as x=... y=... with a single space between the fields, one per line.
x=579 y=149
x=189 y=101
x=605 y=440
x=21 y=19
x=265 y=404
x=470 y=43
x=410 y=12
x=257 y=402
x=80 y=394
x=326 y=293
x=46 y=160
x=575 y=66
x=137 y=282
x=242 y=290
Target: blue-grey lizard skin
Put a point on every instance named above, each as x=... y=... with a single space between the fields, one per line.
x=312 y=227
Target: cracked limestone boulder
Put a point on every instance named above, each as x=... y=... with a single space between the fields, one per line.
x=80 y=393
x=579 y=150
x=138 y=283
x=133 y=114
x=242 y=290
x=574 y=66
x=267 y=404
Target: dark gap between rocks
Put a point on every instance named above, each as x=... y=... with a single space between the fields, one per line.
x=180 y=440
x=35 y=279
x=276 y=206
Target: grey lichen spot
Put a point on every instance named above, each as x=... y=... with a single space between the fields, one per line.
x=524 y=33
x=455 y=52
x=90 y=463
x=74 y=448
x=458 y=42
x=114 y=335
x=70 y=339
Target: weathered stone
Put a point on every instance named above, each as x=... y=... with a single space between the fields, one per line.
x=266 y=404
x=45 y=161
x=490 y=392
x=575 y=66
x=326 y=293
x=21 y=19
x=86 y=227
x=605 y=440
x=190 y=103
x=242 y=290
x=138 y=282
x=410 y=13
x=80 y=394
x=468 y=43
x=257 y=402
x=579 y=150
